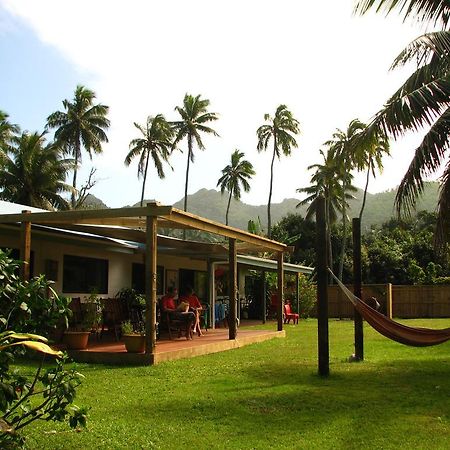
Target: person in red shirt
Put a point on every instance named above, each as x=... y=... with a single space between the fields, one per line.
x=194 y=305
x=169 y=306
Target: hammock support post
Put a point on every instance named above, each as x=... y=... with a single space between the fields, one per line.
x=322 y=289
x=357 y=288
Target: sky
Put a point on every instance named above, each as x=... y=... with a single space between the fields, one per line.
x=141 y=57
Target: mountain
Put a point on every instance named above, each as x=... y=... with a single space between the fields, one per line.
x=379 y=207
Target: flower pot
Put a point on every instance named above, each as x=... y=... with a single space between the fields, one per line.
x=134 y=343
x=76 y=340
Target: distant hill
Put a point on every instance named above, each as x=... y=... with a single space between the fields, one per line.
x=379 y=207
x=92 y=202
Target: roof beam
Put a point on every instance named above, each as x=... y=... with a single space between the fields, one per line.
x=202 y=224
x=91 y=215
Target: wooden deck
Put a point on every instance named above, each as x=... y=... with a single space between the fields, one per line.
x=212 y=341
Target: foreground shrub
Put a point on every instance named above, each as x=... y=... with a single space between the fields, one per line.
x=29 y=306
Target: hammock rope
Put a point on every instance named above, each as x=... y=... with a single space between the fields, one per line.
x=416 y=337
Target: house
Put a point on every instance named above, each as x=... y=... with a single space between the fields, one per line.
x=106 y=250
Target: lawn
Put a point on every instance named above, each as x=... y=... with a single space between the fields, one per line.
x=269 y=395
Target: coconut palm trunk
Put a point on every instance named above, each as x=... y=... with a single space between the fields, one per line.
x=330 y=248
x=228 y=208
x=75 y=171
x=187 y=171
x=365 y=193
x=145 y=178
x=269 y=217
x=344 y=234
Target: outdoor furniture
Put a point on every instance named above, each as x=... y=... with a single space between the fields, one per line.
x=114 y=313
x=204 y=317
x=288 y=314
x=221 y=313
x=77 y=314
x=173 y=324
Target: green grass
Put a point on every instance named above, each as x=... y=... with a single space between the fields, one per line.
x=269 y=395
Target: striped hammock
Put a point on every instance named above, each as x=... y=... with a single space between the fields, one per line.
x=416 y=337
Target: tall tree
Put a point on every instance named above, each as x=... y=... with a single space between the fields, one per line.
x=282 y=129
x=326 y=182
x=82 y=124
x=155 y=143
x=366 y=153
x=7 y=131
x=422 y=102
x=342 y=146
x=234 y=176
x=34 y=173
x=194 y=115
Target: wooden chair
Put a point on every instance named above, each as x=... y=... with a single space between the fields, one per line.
x=288 y=314
x=76 y=319
x=175 y=325
x=114 y=313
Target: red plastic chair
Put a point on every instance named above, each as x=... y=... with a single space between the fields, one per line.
x=288 y=314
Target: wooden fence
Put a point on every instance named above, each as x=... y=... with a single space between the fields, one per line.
x=421 y=301
x=396 y=301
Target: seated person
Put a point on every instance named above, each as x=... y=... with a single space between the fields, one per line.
x=169 y=307
x=194 y=305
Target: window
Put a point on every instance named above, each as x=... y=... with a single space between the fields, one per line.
x=196 y=279
x=85 y=275
x=138 y=278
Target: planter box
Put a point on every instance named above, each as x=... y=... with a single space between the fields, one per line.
x=76 y=340
x=134 y=343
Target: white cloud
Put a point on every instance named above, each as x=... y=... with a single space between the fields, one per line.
x=246 y=57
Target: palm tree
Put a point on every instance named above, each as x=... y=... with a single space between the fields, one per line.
x=342 y=146
x=82 y=124
x=367 y=153
x=34 y=173
x=281 y=128
x=234 y=176
x=422 y=102
x=7 y=131
x=194 y=115
x=156 y=144
x=326 y=182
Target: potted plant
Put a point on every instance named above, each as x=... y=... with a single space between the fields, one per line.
x=133 y=302
x=77 y=336
x=133 y=337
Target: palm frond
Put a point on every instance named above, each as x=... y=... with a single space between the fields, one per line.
x=427 y=159
x=433 y=11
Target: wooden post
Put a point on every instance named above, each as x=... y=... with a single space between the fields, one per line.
x=357 y=288
x=322 y=288
x=151 y=255
x=280 y=290
x=297 y=292
x=25 y=248
x=232 y=263
x=209 y=290
x=263 y=294
x=389 y=300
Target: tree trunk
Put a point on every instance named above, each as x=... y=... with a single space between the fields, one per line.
x=344 y=237
x=228 y=208
x=187 y=170
x=365 y=194
x=269 y=218
x=187 y=178
x=74 y=183
x=330 y=249
x=145 y=178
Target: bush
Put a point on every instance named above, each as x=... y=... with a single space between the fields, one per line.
x=29 y=306
x=307 y=295
x=49 y=394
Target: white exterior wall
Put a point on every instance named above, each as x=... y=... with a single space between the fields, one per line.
x=119 y=265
